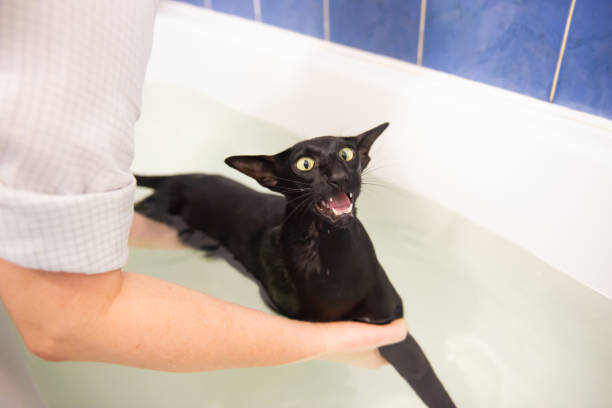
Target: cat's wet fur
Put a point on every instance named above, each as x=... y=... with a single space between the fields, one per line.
x=306 y=247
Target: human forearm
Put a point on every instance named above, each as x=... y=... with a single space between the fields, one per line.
x=140 y=321
x=158 y=325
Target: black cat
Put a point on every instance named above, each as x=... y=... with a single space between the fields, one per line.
x=307 y=249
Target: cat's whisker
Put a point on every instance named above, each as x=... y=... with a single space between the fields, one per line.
x=292 y=181
x=304 y=210
x=295 y=209
x=292 y=212
x=366 y=187
x=298 y=197
x=300 y=201
x=373 y=168
x=302 y=213
x=288 y=189
x=306 y=186
x=369 y=183
x=372 y=180
x=296 y=202
x=291 y=188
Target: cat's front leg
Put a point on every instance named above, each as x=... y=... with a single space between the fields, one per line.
x=379 y=309
x=382 y=305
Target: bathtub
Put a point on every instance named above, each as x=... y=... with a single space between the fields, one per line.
x=489 y=210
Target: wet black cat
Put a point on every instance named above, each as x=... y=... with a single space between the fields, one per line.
x=307 y=249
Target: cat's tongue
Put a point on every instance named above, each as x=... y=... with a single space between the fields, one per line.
x=340 y=202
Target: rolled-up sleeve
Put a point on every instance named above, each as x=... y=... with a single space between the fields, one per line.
x=71 y=76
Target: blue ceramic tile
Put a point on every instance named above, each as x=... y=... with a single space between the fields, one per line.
x=585 y=79
x=303 y=16
x=194 y=2
x=389 y=27
x=242 y=8
x=513 y=44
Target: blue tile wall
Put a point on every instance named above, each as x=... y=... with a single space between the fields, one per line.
x=242 y=8
x=388 y=27
x=194 y=2
x=510 y=44
x=303 y=16
x=585 y=79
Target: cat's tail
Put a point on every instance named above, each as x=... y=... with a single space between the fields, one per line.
x=410 y=362
x=149 y=181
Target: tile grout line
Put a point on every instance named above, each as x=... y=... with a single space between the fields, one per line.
x=257 y=10
x=562 y=51
x=326 y=25
x=421 y=32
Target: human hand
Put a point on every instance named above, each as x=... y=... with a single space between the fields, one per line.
x=357 y=344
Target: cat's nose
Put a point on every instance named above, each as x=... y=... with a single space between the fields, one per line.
x=337 y=180
x=335 y=185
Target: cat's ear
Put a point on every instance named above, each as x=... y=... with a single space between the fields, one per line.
x=365 y=141
x=261 y=168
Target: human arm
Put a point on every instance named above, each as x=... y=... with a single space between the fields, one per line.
x=136 y=320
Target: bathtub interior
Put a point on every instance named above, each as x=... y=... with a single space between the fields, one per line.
x=501 y=327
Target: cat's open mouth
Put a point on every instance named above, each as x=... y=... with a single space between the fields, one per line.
x=337 y=206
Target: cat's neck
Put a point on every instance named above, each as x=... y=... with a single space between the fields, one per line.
x=310 y=230
x=312 y=247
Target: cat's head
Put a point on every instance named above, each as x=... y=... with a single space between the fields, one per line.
x=320 y=176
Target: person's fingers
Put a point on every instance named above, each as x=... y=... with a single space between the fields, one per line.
x=364 y=336
x=364 y=359
x=393 y=332
x=358 y=343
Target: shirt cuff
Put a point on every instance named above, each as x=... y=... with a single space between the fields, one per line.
x=85 y=233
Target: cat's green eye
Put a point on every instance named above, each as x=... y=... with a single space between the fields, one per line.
x=305 y=163
x=346 y=154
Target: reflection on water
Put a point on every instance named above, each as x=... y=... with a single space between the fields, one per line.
x=502 y=328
